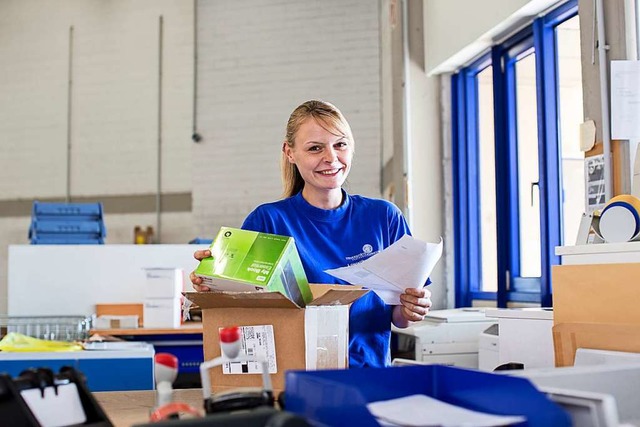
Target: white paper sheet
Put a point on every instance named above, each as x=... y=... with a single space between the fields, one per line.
x=625 y=99
x=405 y=264
x=421 y=411
x=63 y=408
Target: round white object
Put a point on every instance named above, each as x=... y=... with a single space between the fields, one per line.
x=618 y=224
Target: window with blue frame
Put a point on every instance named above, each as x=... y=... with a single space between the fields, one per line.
x=518 y=169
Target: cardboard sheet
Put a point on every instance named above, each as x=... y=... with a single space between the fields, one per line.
x=595 y=306
x=598 y=293
x=568 y=337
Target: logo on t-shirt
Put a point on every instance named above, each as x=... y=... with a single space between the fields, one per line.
x=367 y=251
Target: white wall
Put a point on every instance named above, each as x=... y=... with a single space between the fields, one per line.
x=425 y=180
x=457 y=30
x=257 y=61
x=114 y=110
x=114 y=97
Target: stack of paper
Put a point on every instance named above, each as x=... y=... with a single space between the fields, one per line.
x=405 y=264
x=420 y=411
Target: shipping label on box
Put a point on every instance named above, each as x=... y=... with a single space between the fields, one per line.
x=255 y=341
x=245 y=261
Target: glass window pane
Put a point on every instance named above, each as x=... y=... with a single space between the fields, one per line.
x=570 y=116
x=487 y=178
x=527 y=147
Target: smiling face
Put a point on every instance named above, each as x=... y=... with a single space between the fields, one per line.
x=323 y=158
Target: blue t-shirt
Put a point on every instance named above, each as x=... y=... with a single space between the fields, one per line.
x=357 y=230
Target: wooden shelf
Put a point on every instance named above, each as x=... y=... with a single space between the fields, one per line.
x=188 y=328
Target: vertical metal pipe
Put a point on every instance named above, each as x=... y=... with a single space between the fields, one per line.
x=604 y=100
x=69 y=112
x=159 y=157
x=406 y=108
x=194 y=135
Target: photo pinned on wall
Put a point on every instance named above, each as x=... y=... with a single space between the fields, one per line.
x=595 y=185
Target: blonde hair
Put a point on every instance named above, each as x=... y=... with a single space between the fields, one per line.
x=326 y=115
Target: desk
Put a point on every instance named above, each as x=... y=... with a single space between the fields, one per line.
x=126 y=408
x=184 y=342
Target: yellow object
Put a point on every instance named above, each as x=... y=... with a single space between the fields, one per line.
x=22 y=343
x=620 y=219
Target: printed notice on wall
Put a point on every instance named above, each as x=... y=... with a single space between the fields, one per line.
x=625 y=99
x=258 y=342
x=594 y=182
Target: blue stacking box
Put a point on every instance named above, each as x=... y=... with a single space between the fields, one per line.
x=66 y=223
x=200 y=241
x=339 y=397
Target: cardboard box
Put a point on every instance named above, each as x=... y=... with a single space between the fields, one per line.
x=293 y=338
x=595 y=306
x=116 y=322
x=245 y=260
x=164 y=282
x=162 y=312
x=568 y=337
x=597 y=293
x=121 y=310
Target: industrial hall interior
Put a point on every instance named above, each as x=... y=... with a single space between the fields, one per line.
x=319 y=213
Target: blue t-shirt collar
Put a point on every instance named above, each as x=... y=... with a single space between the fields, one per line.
x=322 y=214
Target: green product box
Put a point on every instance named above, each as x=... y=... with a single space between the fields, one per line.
x=245 y=261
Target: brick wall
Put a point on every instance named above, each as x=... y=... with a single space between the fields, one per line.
x=258 y=60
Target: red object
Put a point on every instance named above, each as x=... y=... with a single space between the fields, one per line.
x=230 y=334
x=174 y=408
x=167 y=359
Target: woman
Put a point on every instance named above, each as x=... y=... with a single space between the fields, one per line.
x=332 y=228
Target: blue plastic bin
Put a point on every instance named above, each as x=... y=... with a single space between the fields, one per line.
x=339 y=397
x=200 y=241
x=66 y=223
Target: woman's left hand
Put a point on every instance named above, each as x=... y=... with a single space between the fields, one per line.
x=415 y=304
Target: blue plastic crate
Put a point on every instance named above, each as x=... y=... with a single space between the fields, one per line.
x=200 y=241
x=78 y=211
x=66 y=240
x=339 y=397
x=67 y=223
x=67 y=227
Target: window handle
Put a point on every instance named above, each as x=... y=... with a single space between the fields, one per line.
x=534 y=184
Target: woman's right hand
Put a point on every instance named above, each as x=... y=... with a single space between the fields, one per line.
x=195 y=280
